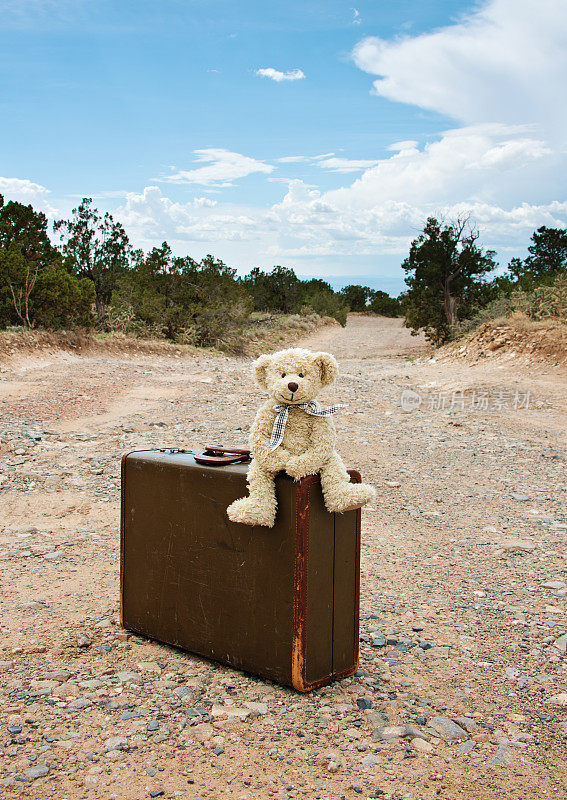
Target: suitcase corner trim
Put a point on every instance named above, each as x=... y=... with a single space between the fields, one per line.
x=299 y=642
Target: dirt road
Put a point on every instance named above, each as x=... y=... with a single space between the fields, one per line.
x=464 y=587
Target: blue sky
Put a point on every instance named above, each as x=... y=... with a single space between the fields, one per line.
x=315 y=135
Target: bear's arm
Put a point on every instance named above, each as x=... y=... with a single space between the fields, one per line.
x=322 y=445
x=260 y=436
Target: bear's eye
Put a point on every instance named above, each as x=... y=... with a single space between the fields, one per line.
x=283 y=374
x=301 y=375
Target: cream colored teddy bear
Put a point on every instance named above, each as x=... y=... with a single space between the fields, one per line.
x=292 y=433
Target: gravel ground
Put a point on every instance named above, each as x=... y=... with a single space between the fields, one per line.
x=462 y=688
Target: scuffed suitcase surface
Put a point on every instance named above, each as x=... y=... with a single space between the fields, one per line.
x=194 y=579
x=281 y=603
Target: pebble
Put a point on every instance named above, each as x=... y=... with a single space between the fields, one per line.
x=422 y=745
x=447 y=729
x=559 y=700
x=183 y=691
x=502 y=758
x=39 y=771
x=230 y=711
x=364 y=703
x=78 y=705
x=554 y=585
x=116 y=743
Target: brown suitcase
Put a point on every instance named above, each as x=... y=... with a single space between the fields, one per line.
x=281 y=603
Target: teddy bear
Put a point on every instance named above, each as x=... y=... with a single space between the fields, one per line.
x=291 y=432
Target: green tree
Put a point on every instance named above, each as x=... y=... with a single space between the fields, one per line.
x=320 y=297
x=547 y=259
x=278 y=290
x=445 y=273
x=61 y=300
x=356 y=297
x=25 y=251
x=381 y=303
x=97 y=248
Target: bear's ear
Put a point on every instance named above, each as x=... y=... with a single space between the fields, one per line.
x=328 y=366
x=260 y=366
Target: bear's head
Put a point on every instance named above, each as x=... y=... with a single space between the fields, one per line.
x=295 y=376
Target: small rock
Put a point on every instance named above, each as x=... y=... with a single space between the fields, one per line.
x=60 y=675
x=38 y=771
x=183 y=691
x=467 y=723
x=519 y=545
x=422 y=745
x=559 y=700
x=554 y=585
x=466 y=747
x=447 y=729
x=388 y=733
x=129 y=677
x=202 y=732
x=364 y=703
x=370 y=761
x=561 y=643
x=503 y=757
x=230 y=711
x=83 y=640
x=13 y=729
x=116 y=743
x=218 y=751
x=79 y=704
x=521 y=498
x=332 y=767
x=55 y=555
x=257 y=708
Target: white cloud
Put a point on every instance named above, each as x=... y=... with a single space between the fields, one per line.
x=407 y=144
x=25 y=191
x=292 y=159
x=507 y=62
x=222 y=168
x=21 y=188
x=278 y=76
x=345 y=165
x=204 y=202
x=481 y=170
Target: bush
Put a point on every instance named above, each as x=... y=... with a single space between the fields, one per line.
x=61 y=300
x=544 y=302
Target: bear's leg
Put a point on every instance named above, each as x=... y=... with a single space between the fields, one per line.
x=259 y=508
x=339 y=493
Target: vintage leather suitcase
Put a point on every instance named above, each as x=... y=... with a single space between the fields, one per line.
x=279 y=602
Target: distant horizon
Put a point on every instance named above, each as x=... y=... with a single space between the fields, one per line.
x=319 y=138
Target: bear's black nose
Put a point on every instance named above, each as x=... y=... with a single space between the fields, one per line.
x=293 y=387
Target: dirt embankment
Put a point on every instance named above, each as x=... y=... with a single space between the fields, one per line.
x=515 y=338
x=262 y=332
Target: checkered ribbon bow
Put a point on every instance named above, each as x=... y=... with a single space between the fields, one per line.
x=311 y=408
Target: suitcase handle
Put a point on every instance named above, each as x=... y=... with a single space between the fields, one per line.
x=216 y=455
